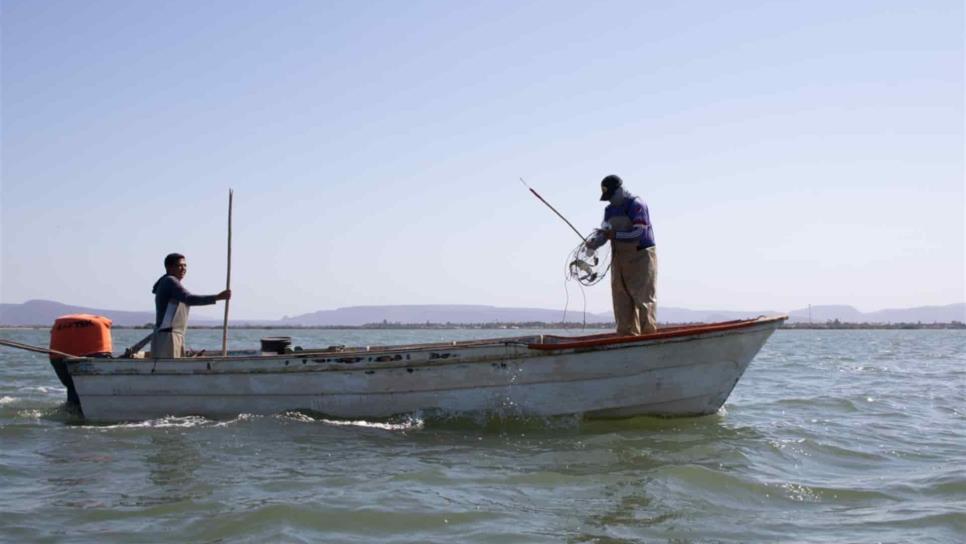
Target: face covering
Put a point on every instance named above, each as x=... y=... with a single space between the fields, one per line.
x=618 y=198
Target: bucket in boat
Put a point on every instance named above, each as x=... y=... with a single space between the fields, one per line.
x=275 y=345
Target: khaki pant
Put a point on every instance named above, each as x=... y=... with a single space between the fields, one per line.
x=632 y=284
x=167 y=345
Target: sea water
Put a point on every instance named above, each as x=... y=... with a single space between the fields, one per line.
x=831 y=436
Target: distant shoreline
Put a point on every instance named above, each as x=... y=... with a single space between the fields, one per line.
x=830 y=325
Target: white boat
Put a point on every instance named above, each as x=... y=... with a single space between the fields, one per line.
x=678 y=371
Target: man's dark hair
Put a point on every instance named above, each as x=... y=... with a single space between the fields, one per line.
x=172 y=259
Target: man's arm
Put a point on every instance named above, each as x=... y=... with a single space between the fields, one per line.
x=179 y=293
x=630 y=235
x=597 y=239
x=638 y=223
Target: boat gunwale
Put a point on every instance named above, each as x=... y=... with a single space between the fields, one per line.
x=679 y=334
x=670 y=332
x=560 y=342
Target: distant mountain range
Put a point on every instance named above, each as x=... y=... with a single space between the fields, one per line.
x=44 y=312
x=464 y=313
x=848 y=314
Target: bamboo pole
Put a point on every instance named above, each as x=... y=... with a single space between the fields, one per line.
x=224 y=329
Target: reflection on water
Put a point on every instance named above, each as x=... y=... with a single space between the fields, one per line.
x=630 y=504
x=172 y=466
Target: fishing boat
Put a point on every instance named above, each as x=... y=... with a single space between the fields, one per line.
x=677 y=371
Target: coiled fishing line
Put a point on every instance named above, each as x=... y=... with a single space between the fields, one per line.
x=587 y=267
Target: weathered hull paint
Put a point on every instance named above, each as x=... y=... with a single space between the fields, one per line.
x=686 y=375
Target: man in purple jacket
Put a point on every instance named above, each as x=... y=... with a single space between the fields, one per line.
x=627 y=224
x=171 y=302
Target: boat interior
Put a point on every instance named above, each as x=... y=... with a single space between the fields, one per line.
x=546 y=342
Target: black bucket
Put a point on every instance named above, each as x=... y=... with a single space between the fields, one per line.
x=276 y=344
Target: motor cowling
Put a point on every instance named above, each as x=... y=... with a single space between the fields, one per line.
x=83 y=335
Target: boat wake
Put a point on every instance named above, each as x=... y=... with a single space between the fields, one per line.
x=171 y=422
x=503 y=422
x=160 y=423
x=46 y=390
x=404 y=423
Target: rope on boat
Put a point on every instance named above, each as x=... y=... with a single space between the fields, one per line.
x=37 y=349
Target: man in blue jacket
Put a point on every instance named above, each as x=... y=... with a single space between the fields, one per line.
x=171 y=302
x=627 y=224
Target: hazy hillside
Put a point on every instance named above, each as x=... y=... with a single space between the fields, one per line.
x=43 y=313
x=923 y=314
x=457 y=313
x=360 y=315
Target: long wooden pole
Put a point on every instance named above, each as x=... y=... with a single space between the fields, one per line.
x=554 y=210
x=224 y=329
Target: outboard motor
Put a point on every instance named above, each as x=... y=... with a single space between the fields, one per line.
x=83 y=335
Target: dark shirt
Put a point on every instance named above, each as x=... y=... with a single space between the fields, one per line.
x=167 y=291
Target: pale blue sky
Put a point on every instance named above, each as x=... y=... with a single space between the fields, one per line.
x=792 y=153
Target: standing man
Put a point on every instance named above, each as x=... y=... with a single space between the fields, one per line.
x=627 y=224
x=171 y=302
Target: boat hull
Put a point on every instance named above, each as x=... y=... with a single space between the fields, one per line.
x=684 y=374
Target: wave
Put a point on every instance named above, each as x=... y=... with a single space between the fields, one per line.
x=30 y=414
x=46 y=389
x=820 y=402
x=717 y=486
x=160 y=423
x=168 y=422
x=407 y=423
